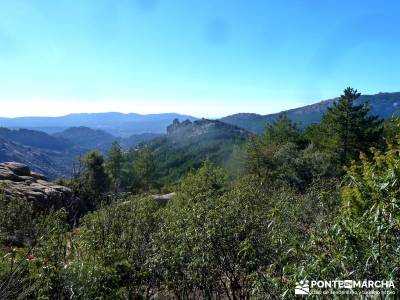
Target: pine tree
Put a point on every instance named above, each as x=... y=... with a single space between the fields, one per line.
x=94 y=179
x=346 y=129
x=113 y=165
x=266 y=155
x=255 y=161
x=145 y=168
x=282 y=131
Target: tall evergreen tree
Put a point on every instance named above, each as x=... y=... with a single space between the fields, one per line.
x=94 y=179
x=282 y=131
x=277 y=155
x=145 y=167
x=113 y=165
x=255 y=161
x=347 y=129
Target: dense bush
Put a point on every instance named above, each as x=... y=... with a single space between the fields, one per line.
x=363 y=241
x=16 y=220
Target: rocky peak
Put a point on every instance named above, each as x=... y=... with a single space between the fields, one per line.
x=177 y=125
x=16 y=168
x=187 y=129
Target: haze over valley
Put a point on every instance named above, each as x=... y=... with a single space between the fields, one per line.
x=54 y=144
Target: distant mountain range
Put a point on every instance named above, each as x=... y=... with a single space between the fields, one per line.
x=383 y=105
x=125 y=125
x=117 y=124
x=178 y=145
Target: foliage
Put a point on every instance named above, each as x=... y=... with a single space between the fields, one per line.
x=14 y=274
x=346 y=130
x=371 y=202
x=145 y=168
x=221 y=240
x=16 y=220
x=283 y=155
x=94 y=181
x=35 y=270
x=283 y=131
x=362 y=241
x=109 y=252
x=48 y=259
x=113 y=166
x=391 y=130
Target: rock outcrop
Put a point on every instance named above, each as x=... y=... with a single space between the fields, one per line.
x=16 y=179
x=163 y=199
x=177 y=125
x=200 y=127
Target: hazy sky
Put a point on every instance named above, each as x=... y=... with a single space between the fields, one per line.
x=200 y=57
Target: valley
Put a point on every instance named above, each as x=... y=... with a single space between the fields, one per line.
x=177 y=149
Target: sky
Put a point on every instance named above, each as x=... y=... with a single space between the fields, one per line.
x=207 y=58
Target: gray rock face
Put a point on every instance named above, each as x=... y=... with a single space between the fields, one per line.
x=17 y=180
x=17 y=168
x=177 y=125
x=163 y=199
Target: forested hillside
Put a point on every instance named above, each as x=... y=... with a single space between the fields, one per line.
x=188 y=144
x=314 y=203
x=52 y=163
x=34 y=138
x=96 y=139
x=87 y=138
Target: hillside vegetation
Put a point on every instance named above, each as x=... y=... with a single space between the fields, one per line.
x=34 y=138
x=52 y=163
x=314 y=203
x=188 y=144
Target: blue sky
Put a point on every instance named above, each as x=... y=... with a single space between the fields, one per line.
x=205 y=57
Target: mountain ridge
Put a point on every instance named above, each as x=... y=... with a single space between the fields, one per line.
x=53 y=164
x=89 y=138
x=115 y=123
x=382 y=104
x=34 y=138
